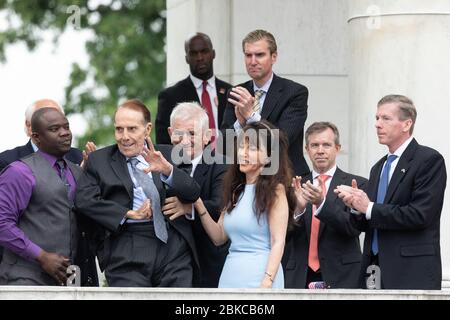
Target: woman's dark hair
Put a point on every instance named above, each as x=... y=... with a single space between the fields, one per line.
x=261 y=134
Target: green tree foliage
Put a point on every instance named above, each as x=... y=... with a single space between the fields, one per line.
x=126 y=52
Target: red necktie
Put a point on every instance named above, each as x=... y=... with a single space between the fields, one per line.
x=313 y=257
x=206 y=103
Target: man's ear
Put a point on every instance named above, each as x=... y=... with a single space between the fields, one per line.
x=207 y=136
x=274 y=57
x=36 y=139
x=148 y=128
x=170 y=131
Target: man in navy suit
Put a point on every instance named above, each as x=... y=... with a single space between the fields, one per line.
x=402 y=208
x=267 y=96
x=200 y=86
x=324 y=244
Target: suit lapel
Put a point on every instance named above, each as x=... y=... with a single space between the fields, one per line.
x=271 y=100
x=337 y=179
x=221 y=97
x=160 y=186
x=401 y=169
x=120 y=168
x=191 y=91
x=372 y=189
x=200 y=173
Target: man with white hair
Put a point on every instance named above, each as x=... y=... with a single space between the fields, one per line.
x=190 y=134
x=9 y=156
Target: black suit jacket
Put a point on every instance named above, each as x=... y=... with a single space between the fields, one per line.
x=285 y=106
x=183 y=91
x=338 y=244
x=9 y=156
x=105 y=194
x=408 y=221
x=212 y=258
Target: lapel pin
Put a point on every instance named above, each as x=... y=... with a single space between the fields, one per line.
x=222 y=90
x=403 y=170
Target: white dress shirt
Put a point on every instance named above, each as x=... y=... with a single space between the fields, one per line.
x=211 y=88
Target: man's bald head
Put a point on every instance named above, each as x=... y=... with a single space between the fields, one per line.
x=51 y=131
x=39 y=104
x=200 y=35
x=37 y=120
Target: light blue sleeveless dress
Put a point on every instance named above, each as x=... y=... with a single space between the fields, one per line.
x=250 y=246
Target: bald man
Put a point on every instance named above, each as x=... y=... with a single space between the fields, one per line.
x=36 y=200
x=200 y=86
x=85 y=258
x=9 y=156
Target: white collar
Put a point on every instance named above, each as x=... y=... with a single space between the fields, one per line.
x=402 y=148
x=265 y=87
x=35 y=147
x=196 y=161
x=199 y=82
x=330 y=172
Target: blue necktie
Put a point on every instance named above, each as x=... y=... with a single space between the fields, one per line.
x=150 y=190
x=381 y=194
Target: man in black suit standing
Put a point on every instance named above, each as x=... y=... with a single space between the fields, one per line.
x=9 y=156
x=280 y=101
x=123 y=189
x=190 y=135
x=324 y=244
x=200 y=86
x=402 y=208
x=84 y=259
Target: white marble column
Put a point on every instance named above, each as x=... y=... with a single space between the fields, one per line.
x=401 y=47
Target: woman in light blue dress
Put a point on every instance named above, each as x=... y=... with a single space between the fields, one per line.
x=258 y=202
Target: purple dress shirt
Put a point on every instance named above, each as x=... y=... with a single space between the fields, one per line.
x=17 y=183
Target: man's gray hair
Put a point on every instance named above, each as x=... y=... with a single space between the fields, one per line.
x=44 y=103
x=406 y=108
x=186 y=111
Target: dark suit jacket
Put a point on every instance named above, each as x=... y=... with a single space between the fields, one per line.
x=9 y=156
x=212 y=258
x=105 y=194
x=183 y=91
x=339 y=247
x=408 y=221
x=285 y=106
x=85 y=260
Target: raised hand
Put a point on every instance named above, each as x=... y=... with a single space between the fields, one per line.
x=174 y=208
x=157 y=162
x=243 y=101
x=353 y=197
x=88 y=149
x=298 y=190
x=312 y=193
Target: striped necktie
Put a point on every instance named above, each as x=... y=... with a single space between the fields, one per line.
x=257 y=104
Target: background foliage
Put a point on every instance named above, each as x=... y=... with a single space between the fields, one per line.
x=126 y=54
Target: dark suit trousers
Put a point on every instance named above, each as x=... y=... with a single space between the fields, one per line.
x=139 y=259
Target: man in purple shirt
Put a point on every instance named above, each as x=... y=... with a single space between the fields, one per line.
x=37 y=224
